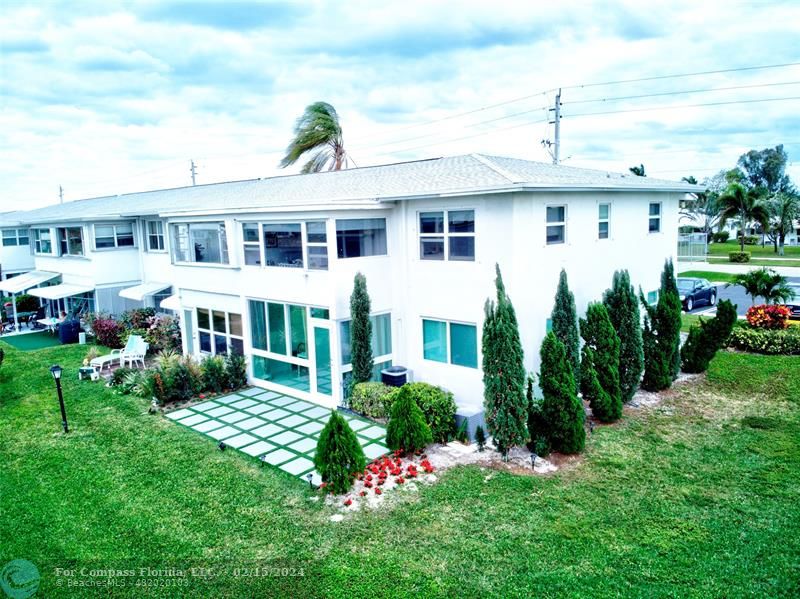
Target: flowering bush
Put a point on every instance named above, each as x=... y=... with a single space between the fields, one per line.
x=767 y=316
x=163 y=333
x=138 y=318
x=784 y=342
x=108 y=332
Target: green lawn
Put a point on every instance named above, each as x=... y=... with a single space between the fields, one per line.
x=757 y=262
x=694 y=498
x=722 y=249
x=714 y=277
x=30 y=341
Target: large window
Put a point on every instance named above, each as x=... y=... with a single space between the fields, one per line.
x=361 y=237
x=42 y=242
x=603 y=211
x=287 y=245
x=556 y=224
x=204 y=243
x=283 y=245
x=450 y=342
x=447 y=235
x=70 y=241
x=655 y=217
x=155 y=236
x=381 y=337
x=13 y=237
x=113 y=236
x=279 y=328
x=219 y=332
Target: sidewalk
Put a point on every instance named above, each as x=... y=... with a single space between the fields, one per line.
x=786 y=271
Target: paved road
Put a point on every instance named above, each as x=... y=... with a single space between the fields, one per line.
x=737 y=295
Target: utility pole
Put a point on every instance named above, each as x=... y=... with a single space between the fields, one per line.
x=555 y=145
x=194 y=172
x=60 y=195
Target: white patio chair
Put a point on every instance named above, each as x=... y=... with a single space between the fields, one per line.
x=117 y=355
x=134 y=352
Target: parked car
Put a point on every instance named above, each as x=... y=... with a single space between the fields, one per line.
x=794 y=304
x=695 y=292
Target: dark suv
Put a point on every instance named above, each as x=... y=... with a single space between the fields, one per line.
x=695 y=292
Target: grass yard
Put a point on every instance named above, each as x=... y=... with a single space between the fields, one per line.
x=695 y=498
x=31 y=341
x=757 y=262
x=714 y=277
x=722 y=249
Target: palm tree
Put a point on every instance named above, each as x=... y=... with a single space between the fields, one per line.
x=318 y=129
x=764 y=282
x=744 y=204
x=638 y=170
x=784 y=208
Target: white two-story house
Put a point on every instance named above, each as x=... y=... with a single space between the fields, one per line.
x=15 y=254
x=266 y=266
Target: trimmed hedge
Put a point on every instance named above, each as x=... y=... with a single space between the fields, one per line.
x=721 y=236
x=784 y=342
x=372 y=399
x=748 y=239
x=739 y=257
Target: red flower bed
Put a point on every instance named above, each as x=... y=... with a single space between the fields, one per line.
x=767 y=316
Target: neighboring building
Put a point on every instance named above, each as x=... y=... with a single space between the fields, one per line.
x=15 y=253
x=267 y=266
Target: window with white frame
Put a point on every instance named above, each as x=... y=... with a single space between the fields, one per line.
x=556 y=224
x=317 y=245
x=219 y=332
x=447 y=234
x=603 y=213
x=283 y=245
x=360 y=237
x=42 y=241
x=13 y=237
x=286 y=245
x=655 y=217
x=381 y=340
x=450 y=342
x=252 y=244
x=202 y=243
x=107 y=236
x=70 y=241
x=155 y=236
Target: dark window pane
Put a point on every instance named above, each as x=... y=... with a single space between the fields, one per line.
x=361 y=237
x=203 y=319
x=220 y=344
x=461 y=221
x=205 y=342
x=655 y=225
x=462 y=248
x=277 y=328
x=219 y=321
x=237 y=346
x=431 y=248
x=258 y=324
x=655 y=209
x=284 y=245
x=602 y=231
x=431 y=222
x=344 y=339
x=322 y=313
x=316 y=232
x=555 y=234
x=318 y=258
x=250 y=232
x=555 y=214
x=235 y=324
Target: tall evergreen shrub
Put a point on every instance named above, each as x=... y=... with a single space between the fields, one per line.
x=601 y=338
x=360 y=331
x=564 y=319
x=662 y=334
x=339 y=457
x=504 y=400
x=707 y=337
x=561 y=408
x=407 y=429
x=623 y=310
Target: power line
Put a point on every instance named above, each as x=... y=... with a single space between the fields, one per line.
x=674 y=106
x=686 y=91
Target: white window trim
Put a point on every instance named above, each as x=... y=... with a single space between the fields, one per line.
x=335 y=238
x=189 y=224
x=163 y=234
x=227 y=334
x=116 y=245
x=606 y=220
x=305 y=244
x=38 y=230
x=381 y=358
x=66 y=254
x=287 y=357
x=445 y=235
x=556 y=224
x=315 y=244
x=447 y=341
x=25 y=233
x=659 y=217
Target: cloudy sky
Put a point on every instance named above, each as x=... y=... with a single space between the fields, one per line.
x=110 y=97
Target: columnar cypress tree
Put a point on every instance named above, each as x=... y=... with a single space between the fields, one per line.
x=623 y=310
x=591 y=389
x=562 y=409
x=603 y=343
x=360 y=331
x=706 y=337
x=565 y=324
x=661 y=336
x=339 y=456
x=407 y=429
x=505 y=404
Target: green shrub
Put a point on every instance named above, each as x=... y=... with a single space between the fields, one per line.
x=564 y=319
x=784 y=342
x=623 y=310
x=601 y=351
x=372 y=399
x=462 y=433
x=562 y=411
x=119 y=374
x=707 y=337
x=721 y=236
x=360 y=331
x=235 y=370
x=213 y=369
x=339 y=457
x=407 y=430
x=27 y=303
x=604 y=408
x=662 y=334
x=2 y=356
x=137 y=318
x=125 y=334
x=739 y=257
x=749 y=239
x=437 y=405
x=480 y=437
x=182 y=381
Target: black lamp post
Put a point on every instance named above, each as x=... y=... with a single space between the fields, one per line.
x=56 y=372
x=533 y=460
x=309 y=478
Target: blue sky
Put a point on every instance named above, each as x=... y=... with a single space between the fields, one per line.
x=110 y=97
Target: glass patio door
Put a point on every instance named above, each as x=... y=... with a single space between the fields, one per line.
x=322 y=360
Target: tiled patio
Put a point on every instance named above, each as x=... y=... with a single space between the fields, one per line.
x=282 y=429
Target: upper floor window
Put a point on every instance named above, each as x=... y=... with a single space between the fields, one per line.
x=450 y=342
x=361 y=237
x=286 y=245
x=603 y=211
x=204 y=243
x=12 y=237
x=655 y=217
x=449 y=234
x=113 y=236
x=252 y=246
x=283 y=245
x=155 y=236
x=70 y=241
x=42 y=242
x=317 y=245
x=556 y=224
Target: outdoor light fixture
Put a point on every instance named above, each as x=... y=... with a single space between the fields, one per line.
x=533 y=460
x=263 y=459
x=310 y=476
x=222 y=446
x=56 y=371
x=591 y=427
